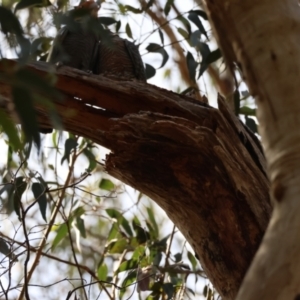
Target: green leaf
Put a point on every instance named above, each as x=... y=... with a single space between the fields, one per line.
x=185 y=22
x=7 y=251
x=80 y=226
x=114 y=232
x=24 y=106
x=118 y=246
x=245 y=94
x=183 y=32
x=153 y=222
x=213 y=56
x=9 y=22
x=118 y=26
x=40 y=46
x=138 y=253
x=142 y=235
x=168 y=6
x=107 y=21
x=102 y=272
x=237 y=101
x=106 y=184
x=192 y=66
x=178 y=257
x=128 y=30
x=150 y=71
x=133 y=9
x=32 y=3
x=128 y=265
x=70 y=144
x=245 y=110
x=161 y=36
x=79 y=211
x=20 y=186
x=169 y=290
x=200 y=13
x=129 y=280
x=27 y=79
x=155 y=48
x=38 y=190
x=114 y=214
x=192 y=260
x=61 y=234
x=92 y=159
x=251 y=124
x=195 y=19
x=11 y=130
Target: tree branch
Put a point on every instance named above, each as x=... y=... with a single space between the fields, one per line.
x=200 y=164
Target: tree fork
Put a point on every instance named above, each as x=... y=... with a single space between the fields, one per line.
x=198 y=163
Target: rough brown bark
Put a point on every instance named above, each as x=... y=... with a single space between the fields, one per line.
x=198 y=163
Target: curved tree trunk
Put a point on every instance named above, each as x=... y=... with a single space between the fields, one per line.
x=263 y=38
x=200 y=164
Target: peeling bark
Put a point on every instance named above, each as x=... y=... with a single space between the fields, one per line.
x=200 y=164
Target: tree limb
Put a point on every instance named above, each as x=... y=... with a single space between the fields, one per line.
x=200 y=164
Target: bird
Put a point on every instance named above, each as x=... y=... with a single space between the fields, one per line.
x=118 y=58
x=75 y=46
x=98 y=51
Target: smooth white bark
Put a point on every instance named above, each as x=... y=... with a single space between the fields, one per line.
x=265 y=39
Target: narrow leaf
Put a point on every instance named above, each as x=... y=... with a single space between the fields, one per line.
x=245 y=110
x=114 y=214
x=92 y=159
x=133 y=9
x=200 y=13
x=192 y=65
x=213 y=56
x=24 y=106
x=32 y=3
x=168 y=6
x=61 y=234
x=161 y=36
x=107 y=21
x=106 y=184
x=150 y=71
x=11 y=130
x=195 y=19
x=155 y=48
x=237 y=101
x=183 y=32
x=128 y=30
x=70 y=144
x=19 y=188
x=38 y=190
x=192 y=260
x=251 y=124
x=9 y=22
x=102 y=272
x=80 y=226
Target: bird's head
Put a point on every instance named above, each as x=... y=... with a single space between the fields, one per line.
x=91 y=6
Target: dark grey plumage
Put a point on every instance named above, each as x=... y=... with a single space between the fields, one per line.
x=118 y=58
x=75 y=45
x=74 y=48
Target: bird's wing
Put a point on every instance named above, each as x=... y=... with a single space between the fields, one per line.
x=57 y=45
x=136 y=59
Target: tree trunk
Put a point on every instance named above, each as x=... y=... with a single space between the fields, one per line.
x=263 y=38
x=200 y=164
